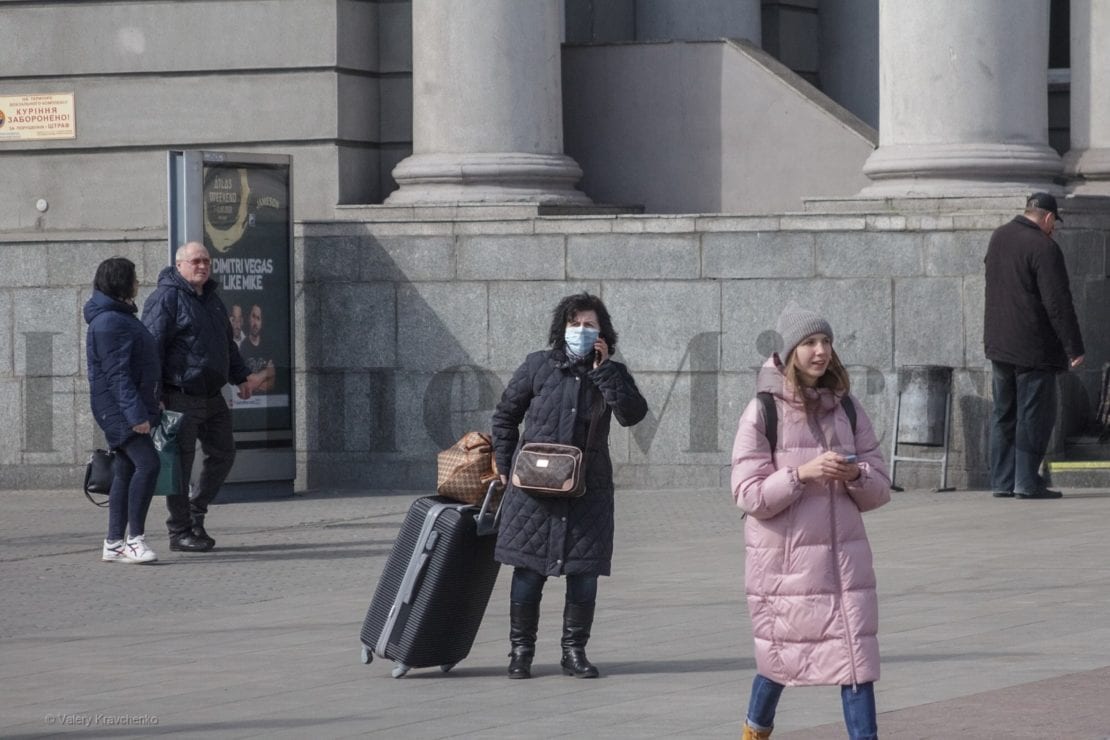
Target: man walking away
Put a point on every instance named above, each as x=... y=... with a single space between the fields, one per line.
x=1030 y=334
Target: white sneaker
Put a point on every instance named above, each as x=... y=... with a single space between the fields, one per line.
x=136 y=551
x=113 y=552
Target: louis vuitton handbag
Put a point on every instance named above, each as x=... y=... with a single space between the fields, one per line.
x=465 y=470
x=550 y=470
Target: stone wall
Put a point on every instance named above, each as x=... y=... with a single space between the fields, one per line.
x=411 y=320
x=684 y=128
x=327 y=81
x=414 y=326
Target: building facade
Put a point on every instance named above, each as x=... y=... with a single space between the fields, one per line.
x=462 y=165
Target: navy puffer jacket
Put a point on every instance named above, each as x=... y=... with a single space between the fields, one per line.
x=123 y=366
x=194 y=336
x=556 y=536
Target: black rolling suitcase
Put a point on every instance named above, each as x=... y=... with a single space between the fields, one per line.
x=435 y=586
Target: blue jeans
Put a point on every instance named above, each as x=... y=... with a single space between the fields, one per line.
x=527 y=587
x=858 y=703
x=135 y=472
x=1021 y=426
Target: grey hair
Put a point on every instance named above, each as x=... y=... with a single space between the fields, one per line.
x=179 y=254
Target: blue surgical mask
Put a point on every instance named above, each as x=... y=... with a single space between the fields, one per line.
x=580 y=340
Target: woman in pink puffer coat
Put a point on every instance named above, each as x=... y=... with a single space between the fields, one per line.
x=809 y=579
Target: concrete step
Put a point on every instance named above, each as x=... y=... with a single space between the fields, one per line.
x=1086 y=464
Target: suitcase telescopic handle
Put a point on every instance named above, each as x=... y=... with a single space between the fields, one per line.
x=487 y=522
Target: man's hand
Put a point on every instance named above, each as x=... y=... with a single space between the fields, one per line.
x=246 y=388
x=143 y=428
x=1076 y=361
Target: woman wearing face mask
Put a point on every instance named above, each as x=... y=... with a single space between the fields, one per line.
x=554 y=393
x=809 y=579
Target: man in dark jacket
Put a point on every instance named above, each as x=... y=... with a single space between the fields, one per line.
x=198 y=354
x=1030 y=334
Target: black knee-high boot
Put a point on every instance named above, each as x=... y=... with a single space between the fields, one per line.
x=524 y=620
x=577 y=621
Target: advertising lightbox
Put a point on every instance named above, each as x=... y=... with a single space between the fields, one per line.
x=240 y=207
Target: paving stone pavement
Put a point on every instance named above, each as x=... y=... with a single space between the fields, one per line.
x=995 y=623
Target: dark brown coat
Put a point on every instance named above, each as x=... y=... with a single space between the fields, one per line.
x=1029 y=317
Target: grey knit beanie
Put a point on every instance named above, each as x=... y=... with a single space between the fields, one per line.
x=797 y=323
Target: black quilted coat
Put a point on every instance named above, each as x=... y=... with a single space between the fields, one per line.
x=557 y=536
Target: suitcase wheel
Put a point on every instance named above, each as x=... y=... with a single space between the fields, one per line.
x=367 y=656
x=447 y=667
x=400 y=670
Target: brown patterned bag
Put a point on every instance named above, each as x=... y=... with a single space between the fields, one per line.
x=550 y=470
x=466 y=468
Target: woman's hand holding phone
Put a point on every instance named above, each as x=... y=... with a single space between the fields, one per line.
x=830 y=465
x=601 y=352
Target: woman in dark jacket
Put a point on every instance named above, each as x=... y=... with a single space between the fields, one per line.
x=124 y=374
x=554 y=392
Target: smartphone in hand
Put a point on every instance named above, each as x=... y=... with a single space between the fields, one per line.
x=848 y=459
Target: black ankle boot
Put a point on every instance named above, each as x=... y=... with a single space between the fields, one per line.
x=200 y=533
x=577 y=621
x=524 y=619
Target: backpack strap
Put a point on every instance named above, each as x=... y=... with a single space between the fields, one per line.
x=771 y=419
x=771 y=416
x=850 y=410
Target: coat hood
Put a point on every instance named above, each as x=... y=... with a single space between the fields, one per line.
x=170 y=277
x=100 y=303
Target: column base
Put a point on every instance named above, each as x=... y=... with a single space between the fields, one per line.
x=1088 y=171
x=498 y=177
x=961 y=169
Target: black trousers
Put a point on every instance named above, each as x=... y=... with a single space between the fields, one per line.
x=209 y=421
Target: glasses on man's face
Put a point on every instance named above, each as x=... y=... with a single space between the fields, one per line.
x=198 y=261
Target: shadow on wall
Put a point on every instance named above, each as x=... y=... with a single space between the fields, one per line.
x=402 y=357
x=644 y=123
x=701 y=127
x=975 y=412
x=387 y=381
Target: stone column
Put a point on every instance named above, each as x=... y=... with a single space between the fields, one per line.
x=698 y=20
x=487 y=105
x=1088 y=161
x=963 y=99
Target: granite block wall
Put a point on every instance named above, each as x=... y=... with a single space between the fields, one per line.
x=409 y=322
x=694 y=298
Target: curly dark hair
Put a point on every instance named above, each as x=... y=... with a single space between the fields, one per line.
x=572 y=305
x=115 y=278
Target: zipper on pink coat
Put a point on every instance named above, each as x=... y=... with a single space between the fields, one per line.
x=840 y=586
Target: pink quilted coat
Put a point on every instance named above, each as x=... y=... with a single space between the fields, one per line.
x=809 y=579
